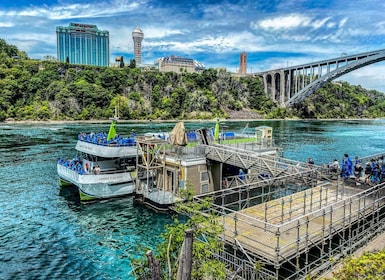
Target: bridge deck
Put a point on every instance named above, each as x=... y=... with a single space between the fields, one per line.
x=285 y=227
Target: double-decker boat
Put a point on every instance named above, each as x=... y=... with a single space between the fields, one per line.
x=105 y=166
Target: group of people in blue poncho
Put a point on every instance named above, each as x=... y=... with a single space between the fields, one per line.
x=101 y=138
x=347 y=167
x=374 y=170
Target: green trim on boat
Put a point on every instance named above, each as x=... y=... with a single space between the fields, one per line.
x=64 y=183
x=86 y=197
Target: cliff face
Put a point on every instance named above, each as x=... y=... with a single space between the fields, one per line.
x=245 y=114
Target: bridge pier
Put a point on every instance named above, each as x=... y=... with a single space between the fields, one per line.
x=275 y=86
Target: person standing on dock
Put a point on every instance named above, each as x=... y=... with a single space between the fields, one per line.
x=241 y=174
x=346 y=166
x=310 y=160
x=375 y=178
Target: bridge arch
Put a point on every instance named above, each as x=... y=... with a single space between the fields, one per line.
x=292 y=85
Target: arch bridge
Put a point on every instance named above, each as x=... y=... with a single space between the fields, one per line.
x=293 y=84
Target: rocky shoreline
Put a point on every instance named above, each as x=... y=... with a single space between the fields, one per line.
x=242 y=115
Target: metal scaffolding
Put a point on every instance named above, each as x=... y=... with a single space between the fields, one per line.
x=277 y=229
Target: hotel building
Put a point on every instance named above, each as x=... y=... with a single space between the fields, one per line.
x=83 y=44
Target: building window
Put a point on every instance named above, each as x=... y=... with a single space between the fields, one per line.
x=204 y=188
x=204 y=176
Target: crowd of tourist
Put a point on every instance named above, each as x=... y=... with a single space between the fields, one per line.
x=101 y=139
x=373 y=172
x=76 y=165
x=73 y=164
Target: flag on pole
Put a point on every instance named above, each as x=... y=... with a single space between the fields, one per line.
x=112 y=132
x=216 y=131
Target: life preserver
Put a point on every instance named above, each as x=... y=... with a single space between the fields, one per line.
x=87 y=166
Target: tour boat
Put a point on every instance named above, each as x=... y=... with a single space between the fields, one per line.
x=105 y=166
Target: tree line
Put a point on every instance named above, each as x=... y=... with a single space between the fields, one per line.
x=50 y=90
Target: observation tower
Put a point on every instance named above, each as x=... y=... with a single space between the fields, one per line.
x=137 y=36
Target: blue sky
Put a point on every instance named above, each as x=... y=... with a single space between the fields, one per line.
x=274 y=33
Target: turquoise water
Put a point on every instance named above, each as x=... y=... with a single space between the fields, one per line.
x=46 y=234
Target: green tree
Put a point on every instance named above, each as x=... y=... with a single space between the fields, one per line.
x=113 y=79
x=121 y=64
x=367 y=266
x=132 y=63
x=206 y=227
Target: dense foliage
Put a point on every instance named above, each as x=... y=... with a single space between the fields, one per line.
x=367 y=266
x=47 y=89
x=341 y=100
x=206 y=243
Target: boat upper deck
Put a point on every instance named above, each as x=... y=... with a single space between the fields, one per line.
x=97 y=144
x=100 y=138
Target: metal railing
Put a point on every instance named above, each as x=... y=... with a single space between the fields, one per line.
x=294 y=232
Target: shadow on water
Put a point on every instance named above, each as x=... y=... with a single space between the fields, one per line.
x=113 y=232
x=71 y=194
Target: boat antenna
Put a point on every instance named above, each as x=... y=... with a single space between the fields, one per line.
x=116 y=115
x=245 y=128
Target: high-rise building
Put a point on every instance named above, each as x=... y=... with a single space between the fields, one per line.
x=83 y=44
x=243 y=63
x=137 y=36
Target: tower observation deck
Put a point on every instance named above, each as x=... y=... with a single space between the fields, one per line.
x=137 y=36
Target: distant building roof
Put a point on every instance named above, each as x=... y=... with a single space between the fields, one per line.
x=180 y=62
x=137 y=30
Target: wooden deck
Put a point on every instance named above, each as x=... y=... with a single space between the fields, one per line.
x=285 y=227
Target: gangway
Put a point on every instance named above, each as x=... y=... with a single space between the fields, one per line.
x=257 y=161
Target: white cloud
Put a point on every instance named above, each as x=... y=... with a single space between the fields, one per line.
x=152 y=32
x=292 y=22
x=370 y=77
x=64 y=11
x=342 y=22
x=319 y=23
x=6 y=24
x=283 y=22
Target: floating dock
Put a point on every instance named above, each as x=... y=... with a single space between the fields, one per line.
x=294 y=231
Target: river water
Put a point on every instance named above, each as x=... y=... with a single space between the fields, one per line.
x=46 y=234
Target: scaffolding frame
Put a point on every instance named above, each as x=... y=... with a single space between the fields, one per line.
x=294 y=233
x=149 y=151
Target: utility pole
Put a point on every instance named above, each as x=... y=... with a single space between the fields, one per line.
x=185 y=257
x=154 y=266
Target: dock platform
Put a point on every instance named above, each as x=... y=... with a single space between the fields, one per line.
x=280 y=229
x=296 y=234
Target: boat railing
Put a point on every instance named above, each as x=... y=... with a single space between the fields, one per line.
x=73 y=164
x=110 y=171
x=101 y=139
x=78 y=167
x=184 y=152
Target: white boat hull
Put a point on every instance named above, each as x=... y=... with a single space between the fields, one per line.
x=98 y=186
